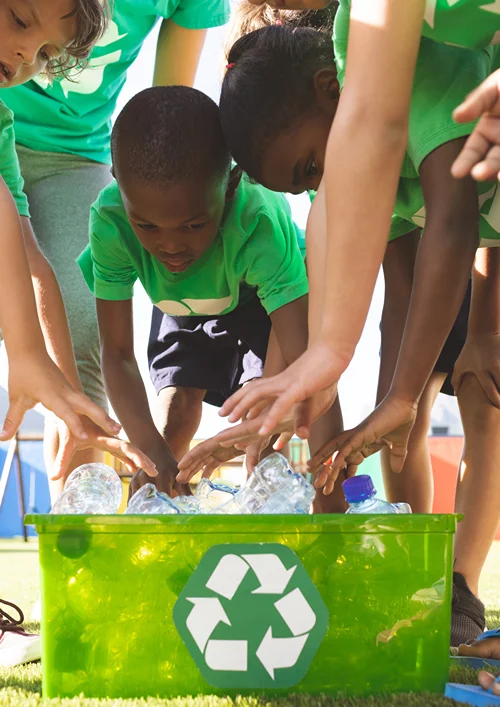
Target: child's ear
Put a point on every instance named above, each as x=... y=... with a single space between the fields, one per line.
x=326 y=85
x=234 y=180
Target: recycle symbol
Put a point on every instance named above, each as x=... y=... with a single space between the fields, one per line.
x=250 y=616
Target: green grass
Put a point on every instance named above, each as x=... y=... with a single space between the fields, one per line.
x=21 y=687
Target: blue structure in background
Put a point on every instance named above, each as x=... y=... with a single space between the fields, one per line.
x=35 y=485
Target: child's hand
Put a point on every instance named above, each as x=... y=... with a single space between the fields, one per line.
x=480 y=156
x=127 y=453
x=390 y=424
x=481 y=357
x=316 y=371
x=34 y=378
x=228 y=444
x=165 y=480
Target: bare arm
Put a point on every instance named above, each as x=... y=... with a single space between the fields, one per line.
x=126 y=390
x=442 y=271
x=363 y=160
x=33 y=377
x=364 y=154
x=50 y=307
x=177 y=54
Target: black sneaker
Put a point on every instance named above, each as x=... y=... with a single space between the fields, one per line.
x=467 y=613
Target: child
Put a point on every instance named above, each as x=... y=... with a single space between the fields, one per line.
x=365 y=156
x=49 y=35
x=202 y=242
x=279 y=136
x=63 y=132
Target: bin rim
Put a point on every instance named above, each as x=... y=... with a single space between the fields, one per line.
x=329 y=523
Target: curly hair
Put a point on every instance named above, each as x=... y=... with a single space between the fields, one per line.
x=246 y=18
x=91 y=20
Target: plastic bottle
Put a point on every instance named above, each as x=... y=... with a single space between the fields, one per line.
x=149 y=500
x=360 y=494
x=272 y=488
x=90 y=489
x=212 y=494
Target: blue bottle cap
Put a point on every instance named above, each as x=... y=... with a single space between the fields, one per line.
x=358 y=489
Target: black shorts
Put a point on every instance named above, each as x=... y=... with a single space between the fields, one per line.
x=217 y=354
x=454 y=344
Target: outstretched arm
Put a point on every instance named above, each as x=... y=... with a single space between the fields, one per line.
x=33 y=377
x=363 y=160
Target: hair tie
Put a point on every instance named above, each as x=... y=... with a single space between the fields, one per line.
x=231 y=65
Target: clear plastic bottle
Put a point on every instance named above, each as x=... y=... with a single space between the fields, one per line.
x=360 y=494
x=211 y=494
x=272 y=488
x=149 y=500
x=90 y=489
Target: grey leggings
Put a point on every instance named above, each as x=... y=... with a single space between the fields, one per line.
x=60 y=189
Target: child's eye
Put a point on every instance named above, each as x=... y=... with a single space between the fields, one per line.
x=197 y=226
x=45 y=55
x=18 y=20
x=311 y=169
x=146 y=226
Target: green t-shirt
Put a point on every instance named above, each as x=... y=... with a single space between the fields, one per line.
x=257 y=245
x=74 y=115
x=444 y=75
x=464 y=23
x=9 y=164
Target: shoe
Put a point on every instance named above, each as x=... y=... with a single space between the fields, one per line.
x=467 y=613
x=16 y=646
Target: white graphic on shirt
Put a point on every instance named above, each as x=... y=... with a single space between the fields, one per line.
x=419 y=218
x=90 y=79
x=202 y=307
x=492 y=7
x=430 y=11
x=493 y=216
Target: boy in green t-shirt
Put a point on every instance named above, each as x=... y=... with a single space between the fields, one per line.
x=204 y=243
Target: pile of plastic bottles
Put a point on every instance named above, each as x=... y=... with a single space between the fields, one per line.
x=272 y=488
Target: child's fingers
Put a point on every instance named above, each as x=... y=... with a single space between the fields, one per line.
x=233 y=401
x=278 y=411
x=473 y=152
x=479 y=101
x=128 y=453
x=210 y=467
x=85 y=406
x=282 y=441
x=488 y=168
x=63 y=459
x=304 y=418
x=14 y=417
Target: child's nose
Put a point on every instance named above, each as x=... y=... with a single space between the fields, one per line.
x=28 y=54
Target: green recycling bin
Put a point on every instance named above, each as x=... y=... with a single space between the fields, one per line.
x=138 y=606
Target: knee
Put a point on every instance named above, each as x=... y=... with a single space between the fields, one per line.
x=476 y=409
x=180 y=407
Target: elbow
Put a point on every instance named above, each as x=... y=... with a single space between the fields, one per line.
x=373 y=127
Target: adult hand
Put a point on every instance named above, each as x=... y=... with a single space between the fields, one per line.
x=34 y=378
x=480 y=156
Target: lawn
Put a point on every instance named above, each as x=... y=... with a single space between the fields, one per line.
x=21 y=687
